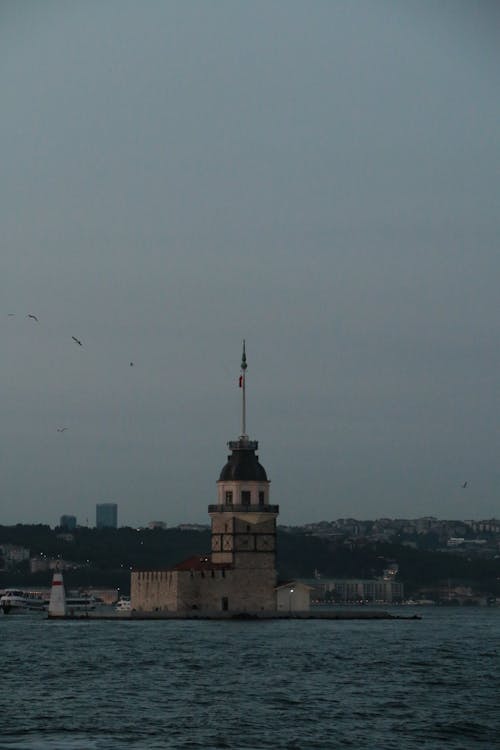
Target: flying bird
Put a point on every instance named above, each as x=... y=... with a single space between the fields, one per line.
x=61 y=429
x=464 y=485
x=131 y=364
x=11 y=315
x=33 y=317
x=77 y=341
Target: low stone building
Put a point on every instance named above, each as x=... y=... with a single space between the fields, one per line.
x=293 y=596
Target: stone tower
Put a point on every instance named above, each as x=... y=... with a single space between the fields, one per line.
x=239 y=575
x=243 y=521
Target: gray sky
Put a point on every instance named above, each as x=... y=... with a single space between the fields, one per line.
x=320 y=178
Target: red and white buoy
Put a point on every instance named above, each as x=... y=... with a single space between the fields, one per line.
x=57 y=602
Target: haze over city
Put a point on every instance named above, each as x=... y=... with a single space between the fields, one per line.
x=320 y=179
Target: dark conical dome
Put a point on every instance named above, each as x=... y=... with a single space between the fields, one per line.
x=243 y=464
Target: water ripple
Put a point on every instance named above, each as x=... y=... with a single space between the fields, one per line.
x=285 y=685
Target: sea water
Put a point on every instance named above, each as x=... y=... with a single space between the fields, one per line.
x=377 y=684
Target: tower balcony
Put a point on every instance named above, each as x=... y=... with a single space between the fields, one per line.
x=243 y=444
x=248 y=508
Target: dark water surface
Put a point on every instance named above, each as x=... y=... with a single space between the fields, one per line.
x=430 y=683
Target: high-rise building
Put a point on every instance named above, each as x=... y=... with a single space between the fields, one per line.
x=68 y=522
x=106 y=515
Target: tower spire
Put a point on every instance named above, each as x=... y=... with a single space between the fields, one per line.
x=243 y=394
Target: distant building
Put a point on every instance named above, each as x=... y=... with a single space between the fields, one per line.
x=66 y=537
x=157 y=525
x=352 y=590
x=106 y=515
x=192 y=527
x=68 y=522
x=42 y=563
x=12 y=555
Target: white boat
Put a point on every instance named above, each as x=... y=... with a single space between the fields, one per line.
x=123 y=604
x=16 y=601
x=80 y=603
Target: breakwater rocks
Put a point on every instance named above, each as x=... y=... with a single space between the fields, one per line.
x=253 y=616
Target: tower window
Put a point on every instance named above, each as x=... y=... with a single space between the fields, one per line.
x=245 y=497
x=229 y=498
x=261 y=498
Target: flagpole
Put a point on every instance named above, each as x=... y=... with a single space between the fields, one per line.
x=243 y=400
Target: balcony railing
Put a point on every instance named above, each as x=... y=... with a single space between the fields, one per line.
x=248 y=508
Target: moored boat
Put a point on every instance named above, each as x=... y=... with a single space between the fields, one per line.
x=123 y=604
x=17 y=601
x=80 y=603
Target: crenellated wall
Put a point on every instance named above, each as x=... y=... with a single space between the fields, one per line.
x=206 y=591
x=154 y=590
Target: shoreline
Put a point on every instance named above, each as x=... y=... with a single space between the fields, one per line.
x=237 y=616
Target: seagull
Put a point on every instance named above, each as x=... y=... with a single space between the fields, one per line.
x=61 y=429
x=33 y=317
x=464 y=485
x=77 y=341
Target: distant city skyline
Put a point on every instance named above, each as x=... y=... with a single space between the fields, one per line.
x=420 y=522
x=318 y=179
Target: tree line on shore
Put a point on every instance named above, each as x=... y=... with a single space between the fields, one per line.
x=105 y=557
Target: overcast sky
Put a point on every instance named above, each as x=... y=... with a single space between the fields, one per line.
x=320 y=178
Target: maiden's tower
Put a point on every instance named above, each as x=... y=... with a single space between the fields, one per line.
x=238 y=576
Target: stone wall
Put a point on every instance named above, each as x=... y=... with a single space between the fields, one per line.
x=154 y=590
x=243 y=590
